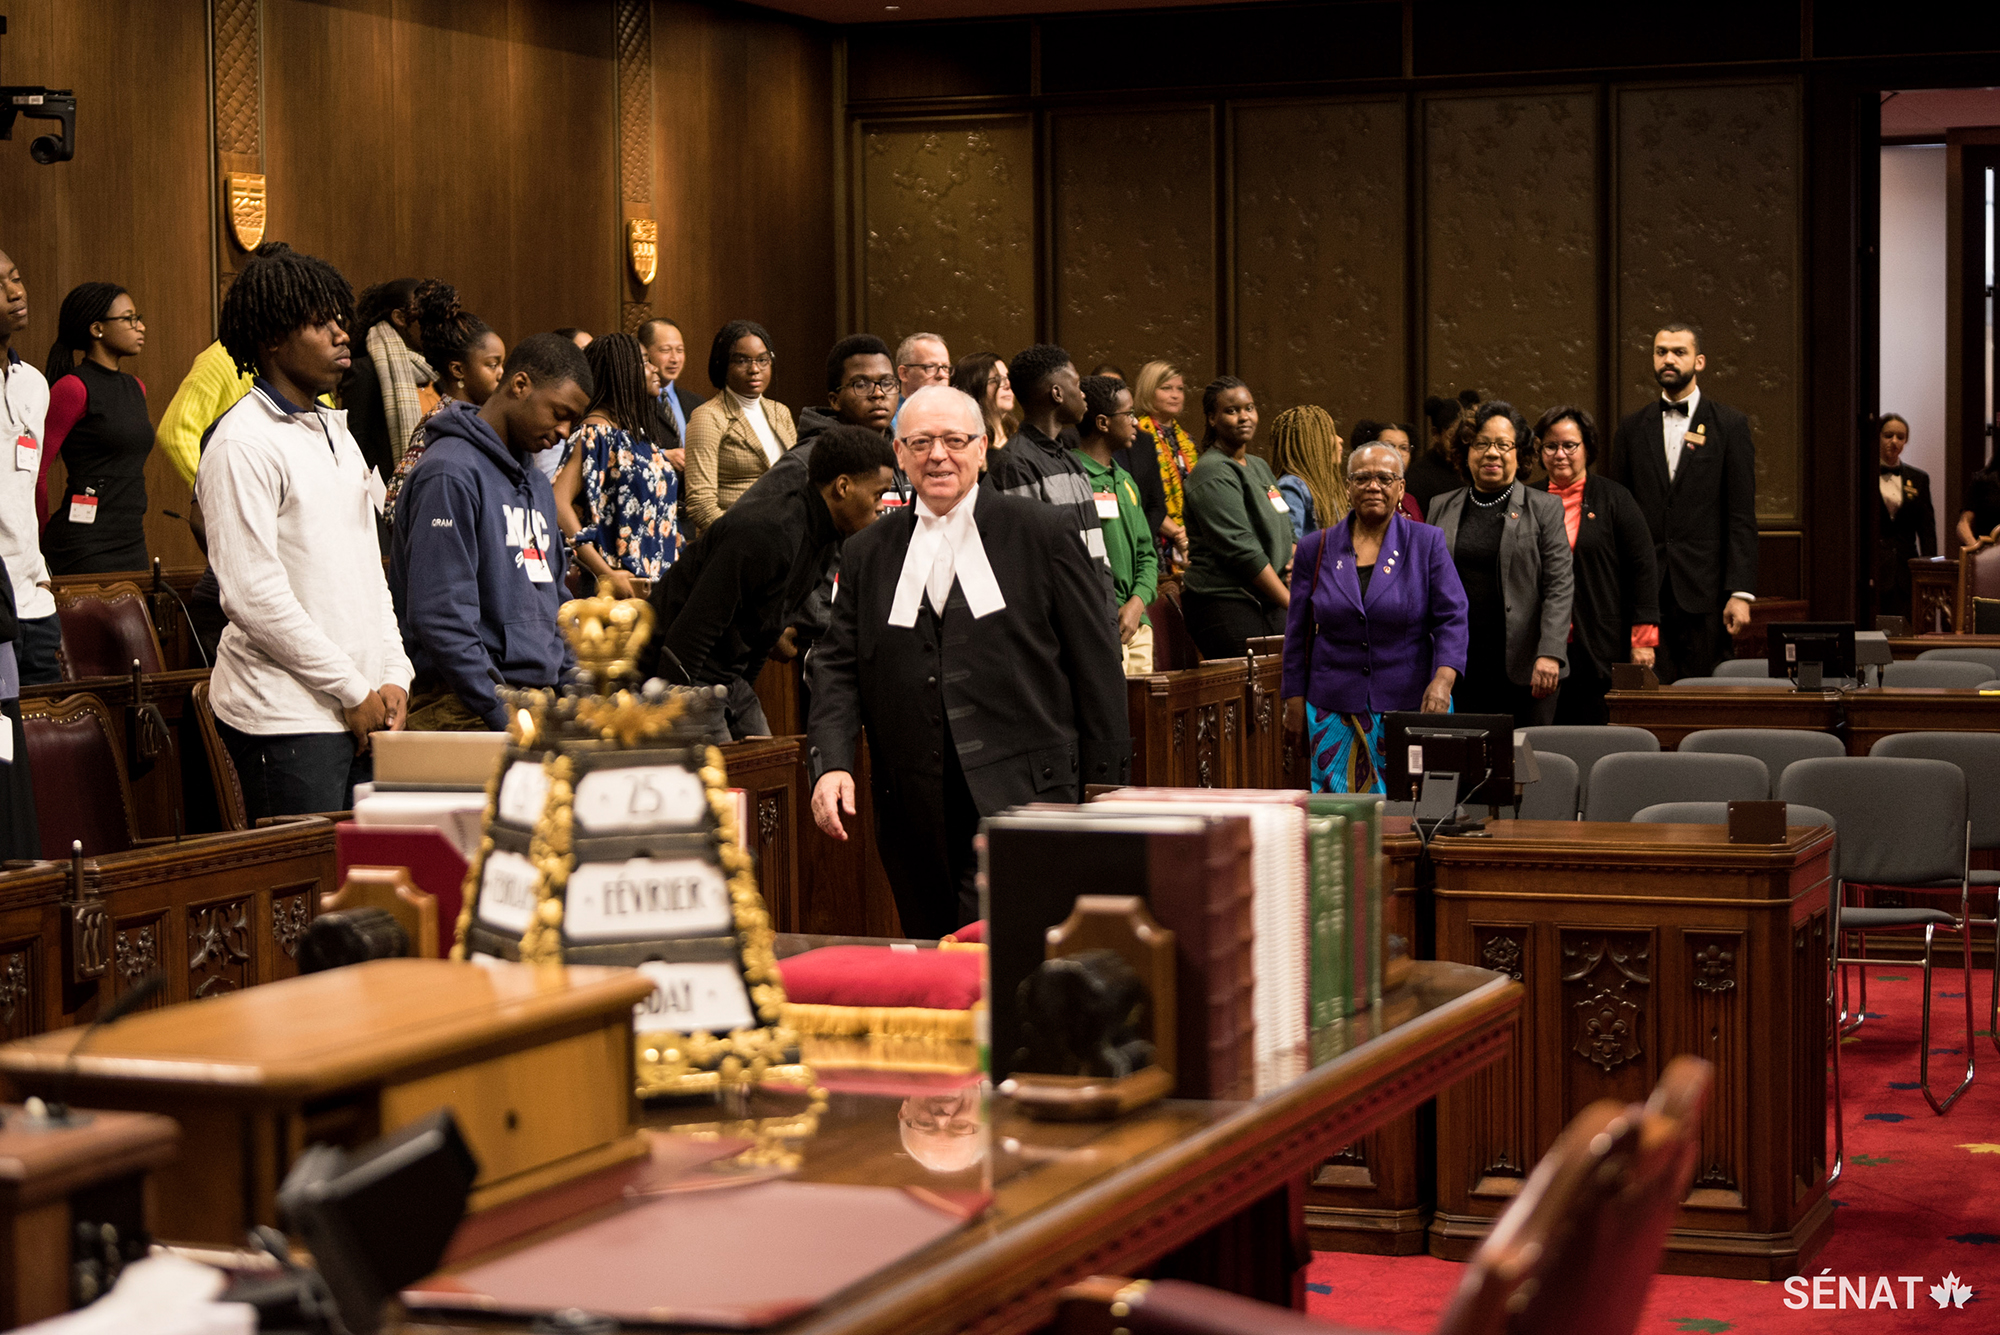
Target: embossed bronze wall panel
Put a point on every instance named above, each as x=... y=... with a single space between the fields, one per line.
x=1134 y=238
x=1708 y=222
x=1320 y=230
x=947 y=227
x=1510 y=227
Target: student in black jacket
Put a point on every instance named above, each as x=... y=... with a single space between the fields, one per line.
x=729 y=602
x=1905 y=519
x=1615 y=615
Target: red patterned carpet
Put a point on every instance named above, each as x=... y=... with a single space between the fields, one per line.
x=1921 y=1196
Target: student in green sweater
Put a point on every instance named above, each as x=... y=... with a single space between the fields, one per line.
x=1239 y=531
x=1108 y=425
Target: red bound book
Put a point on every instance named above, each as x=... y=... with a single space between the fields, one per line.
x=1194 y=873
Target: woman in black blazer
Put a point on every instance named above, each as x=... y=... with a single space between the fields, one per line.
x=1905 y=520
x=1616 y=617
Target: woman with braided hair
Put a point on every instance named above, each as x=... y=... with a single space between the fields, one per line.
x=98 y=422
x=628 y=525
x=1306 y=451
x=467 y=356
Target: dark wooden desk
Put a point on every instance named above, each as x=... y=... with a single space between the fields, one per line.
x=1911 y=646
x=1671 y=715
x=1874 y=714
x=770 y=771
x=1637 y=943
x=1202 y=1190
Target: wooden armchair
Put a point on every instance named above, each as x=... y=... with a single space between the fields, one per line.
x=105 y=629
x=391 y=890
x=221 y=769
x=1978 y=578
x=1573 y=1255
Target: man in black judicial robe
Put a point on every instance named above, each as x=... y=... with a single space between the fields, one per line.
x=1691 y=464
x=1014 y=693
x=730 y=600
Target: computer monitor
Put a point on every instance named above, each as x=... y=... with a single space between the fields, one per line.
x=1796 y=646
x=1478 y=748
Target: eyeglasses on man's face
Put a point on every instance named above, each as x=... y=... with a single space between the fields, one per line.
x=953 y=444
x=936 y=369
x=762 y=361
x=874 y=389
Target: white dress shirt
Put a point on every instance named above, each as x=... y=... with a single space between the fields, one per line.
x=753 y=413
x=945 y=547
x=1675 y=428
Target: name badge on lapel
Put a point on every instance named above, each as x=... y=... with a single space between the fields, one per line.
x=1278 y=501
x=1107 y=504
x=1695 y=438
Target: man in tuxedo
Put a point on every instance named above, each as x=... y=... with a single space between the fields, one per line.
x=1692 y=466
x=1905 y=519
x=973 y=639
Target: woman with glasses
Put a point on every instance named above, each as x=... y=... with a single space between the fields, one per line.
x=1377 y=625
x=737 y=435
x=983 y=378
x=1512 y=554
x=98 y=423
x=1616 y=612
x=1239 y=531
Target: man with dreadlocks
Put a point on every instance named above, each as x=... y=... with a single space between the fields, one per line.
x=312 y=662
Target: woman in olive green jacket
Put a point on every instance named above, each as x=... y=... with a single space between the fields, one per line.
x=1240 y=536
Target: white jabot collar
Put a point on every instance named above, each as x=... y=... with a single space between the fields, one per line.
x=957 y=534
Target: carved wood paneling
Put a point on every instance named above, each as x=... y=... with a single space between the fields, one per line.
x=220 y=945
x=1715 y=963
x=1133 y=248
x=1500 y=1146
x=1320 y=245
x=1708 y=225
x=136 y=950
x=634 y=26
x=1809 y=1049
x=239 y=103
x=1608 y=1016
x=1510 y=247
x=18 y=1017
x=947 y=226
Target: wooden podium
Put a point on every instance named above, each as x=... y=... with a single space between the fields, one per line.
x=535 y=1063
x=1637 y=943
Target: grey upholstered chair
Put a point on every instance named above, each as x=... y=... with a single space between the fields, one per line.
x=1621 y=785
x=1586 y=744
x=1902 y=826
x=1743 y=667
x=1553 y=796
x=1776 y=747
x=1740 y=683
x=1717 y=813
x=1939 y=672
x=1990 y=657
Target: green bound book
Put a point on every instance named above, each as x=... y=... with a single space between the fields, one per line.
x=1367 y=890
x=1330 y=951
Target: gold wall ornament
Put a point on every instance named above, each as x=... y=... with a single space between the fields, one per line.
x=642 y=237
x=610 y=838
x=246 y=208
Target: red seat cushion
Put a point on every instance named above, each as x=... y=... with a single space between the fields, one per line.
x=79 y=793
x=879 y=976
x=102 y=636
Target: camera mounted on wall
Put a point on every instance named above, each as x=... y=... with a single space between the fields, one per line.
x=38 y=103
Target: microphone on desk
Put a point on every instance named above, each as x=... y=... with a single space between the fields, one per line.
x=55 y=1111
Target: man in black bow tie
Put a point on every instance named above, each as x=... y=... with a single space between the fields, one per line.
x=1692 y=466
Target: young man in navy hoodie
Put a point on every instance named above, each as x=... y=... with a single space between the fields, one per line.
x=477 y=565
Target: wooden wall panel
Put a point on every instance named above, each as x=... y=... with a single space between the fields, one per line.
x=1511 y=256
x=1709 y=194
x=475 y=145
x=132 y=207
x=1132 y=248
x=945 y=213
x=744 y=100
x=1320 y=247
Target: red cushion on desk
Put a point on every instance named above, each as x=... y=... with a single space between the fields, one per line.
x=434 y=863
x=878 y=976
x=972 y=932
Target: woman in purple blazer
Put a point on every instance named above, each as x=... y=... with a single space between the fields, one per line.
x=1376 y=625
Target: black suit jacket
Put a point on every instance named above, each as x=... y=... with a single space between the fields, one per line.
x=1704 y=520
x=665 y=434
x=1035 y=693
x=1910 y=532
x=1617 y=580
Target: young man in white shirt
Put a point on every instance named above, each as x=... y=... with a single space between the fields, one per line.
x=23 y=408
x=312 y=663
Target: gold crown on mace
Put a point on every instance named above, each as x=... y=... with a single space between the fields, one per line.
x=607 y=633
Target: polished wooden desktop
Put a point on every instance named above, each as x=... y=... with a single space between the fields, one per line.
x=1671 y=714
x=1874 y=714
x=537 y=1064
x=1196 y=1189
x=1637 y=943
